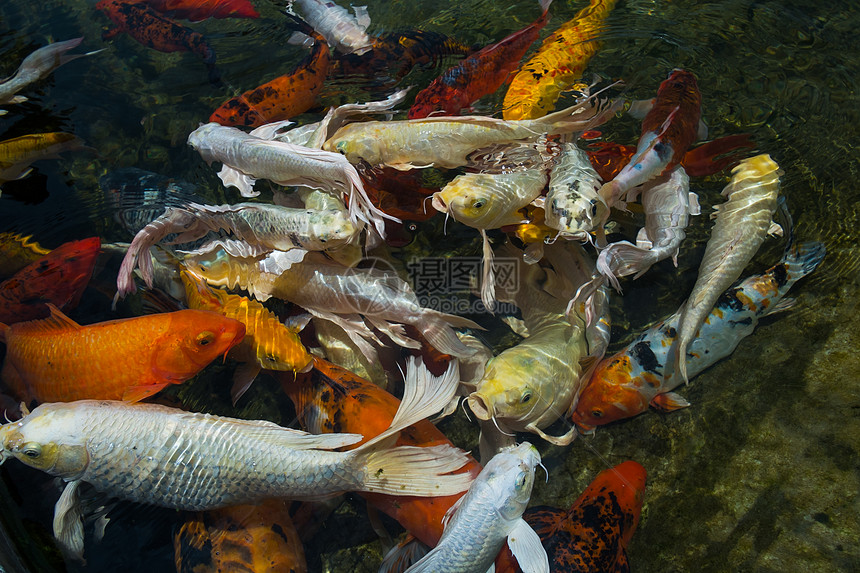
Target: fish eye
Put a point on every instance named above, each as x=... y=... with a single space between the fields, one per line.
x=204 y=268
x=478 y=204
x=521 y=480
x=205 y=337
x=597 y=412
x=32 y=450
x=527 y=395
x=593 y=207
x=341 y=147
x=270 y=358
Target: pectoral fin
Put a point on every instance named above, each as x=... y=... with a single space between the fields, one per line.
x=233 y=178
x=68 y=521
x=669 y=402
x=526 y=547
x=138 y=393
x=243 y=377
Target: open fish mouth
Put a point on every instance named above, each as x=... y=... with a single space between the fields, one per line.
x=480 y=406
x=439 y=203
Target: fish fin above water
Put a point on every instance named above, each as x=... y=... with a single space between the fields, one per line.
x=234 y=178
x=526 y=547
x=362 y=18
x=669 y=402
x=68 y=521
x=137 y=393
x=243 y=377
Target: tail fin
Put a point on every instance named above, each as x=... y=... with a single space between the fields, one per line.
x=580 y=117
x=442 y=337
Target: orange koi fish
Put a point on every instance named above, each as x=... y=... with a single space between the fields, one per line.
x=150 y=28
x=58 y=360
x=16 y=252
x=267 y=344
x=557 y=65
x=283 y=97
x=18 y=153
x=668 y=130
x=478 y=75
x=592 y=536
x=197 y=10
x=242 y=539
x=58 y=278
x=333 y=399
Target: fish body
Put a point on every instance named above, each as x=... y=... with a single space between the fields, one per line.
x=447 y=141
x=153 y=30
x=59 y=278
x=625 y=384
x=333 y=399
x=487 y=515
x=18 y=153
x=35 y=67
x=197 y=10
x=283 y=97
x=242 y=539
x=741 y=225
x=17 y=251
x=342 y=31
x=573 y=206
x=478 y=75
x=268 y=344
x=558 y=63
x=153 y=454
x=668 y=130
x=56 y=359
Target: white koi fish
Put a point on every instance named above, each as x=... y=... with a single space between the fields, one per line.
x=487 y=515
x=572 y=205
x=345 y=33
x=742 y=223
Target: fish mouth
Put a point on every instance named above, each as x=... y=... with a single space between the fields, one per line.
x=480 y=406
x=439 y=203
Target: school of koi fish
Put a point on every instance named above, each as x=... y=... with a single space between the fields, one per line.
x=294 y=280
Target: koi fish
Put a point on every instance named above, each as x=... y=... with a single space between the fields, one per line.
x=267 y=344
x=489 y=514
x=343 y=32
x=333 y=399
x=592 y=536
x=242 y=538
x=246 y=158
x=17 y=251
x=668 y=130
x=148 y=27
x=557 y=64
x=37 y=66
x=198 y=10
x=153 y=454
x=59 y=278
x=17 y=154
x=478 y=75
x=446 y=141
x=572 y=205
x=283 y=97
x=742 y=223
x=56 y=359
x=625 y=384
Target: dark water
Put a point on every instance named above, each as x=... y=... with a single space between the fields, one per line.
x=760 y=474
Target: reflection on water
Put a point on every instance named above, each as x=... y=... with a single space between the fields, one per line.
x=762 y=470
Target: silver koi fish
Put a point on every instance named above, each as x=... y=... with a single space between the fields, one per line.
x=345 y=33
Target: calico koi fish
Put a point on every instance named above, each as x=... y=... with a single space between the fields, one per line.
x=37 y=66
x=17 y=251
x=268 y=344
x=56 y=359
x=625 y=384
x=198 y=10
x=345 y=33
x=478 y=75
x=446 y=141
x=17 y=154
x=490 y=513
x=59 y=278
x=668 y=129
x=333 y=399
x=741 y=225
x=243 y=539
x=557 y=64
x=283 y=97
x=153 y=454
x=148 y=27
x=592 y=536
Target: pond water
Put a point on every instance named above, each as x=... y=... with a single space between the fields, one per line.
x=761 y=473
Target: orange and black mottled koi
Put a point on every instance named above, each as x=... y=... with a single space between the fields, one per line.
x=332 y=399
x=394 y=54
x=591 y=536
x=150 y=28
x=283 y=97
x=480 y=74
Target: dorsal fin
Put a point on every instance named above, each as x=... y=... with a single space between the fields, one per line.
x=57 y=321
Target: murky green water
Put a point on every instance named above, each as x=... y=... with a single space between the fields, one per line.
x=761 y=474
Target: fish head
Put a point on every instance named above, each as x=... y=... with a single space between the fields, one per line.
x=358 y=147
x=283 y=351
x=510 y=474
x=578 y=216
x=332 y=228
x=194 y=339
x=506 y=391
x=199 y=139
x=213 y=266
x=610 y=395
x=49 y=439
x=467 y=201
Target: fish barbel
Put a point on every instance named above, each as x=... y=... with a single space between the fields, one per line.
x=490 y=513
x=741 y=225
x=153 y=454
x=447 y=141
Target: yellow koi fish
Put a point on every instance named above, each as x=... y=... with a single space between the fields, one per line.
x=18 y=153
